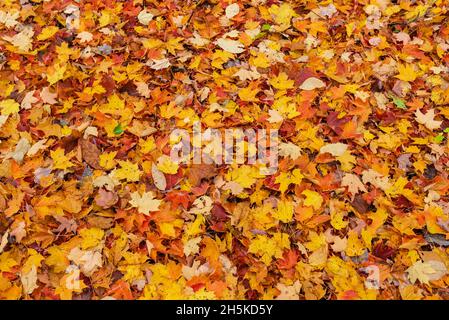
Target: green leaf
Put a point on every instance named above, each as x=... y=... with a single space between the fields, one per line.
x=439 y=138
x=266 y=27
x=399 y=103
x=118 y=129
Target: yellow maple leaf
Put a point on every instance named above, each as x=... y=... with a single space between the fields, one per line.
x=145 y=203
x=128 y=171
x=286 y=178
x=60 y=161
x=313 y=199
x=91 y=237
x=284 y=212
x=316 y=241
x=7 y=262
x=283 y=15
x=196 y=227
x=174 y=44
x=244 y=175
x=57 y=259
x=34 y=260
x=259 y=59
x=406 y=72
x=96 y=88
x=420 y=165
x=378 y=218
x=9 y=106
x=219 y=57
x=107 y=160
x=114 y=106
x=47 y=33
x=57 y=74
x=249 y=93
x=267 y=248
x=168 y=228
x=355 y=246
x=166 y=165
x=147 y=145
x=282 y=82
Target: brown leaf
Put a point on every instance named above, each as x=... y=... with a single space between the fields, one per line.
x=198 y=172
x=90 y=153
x=360 y=204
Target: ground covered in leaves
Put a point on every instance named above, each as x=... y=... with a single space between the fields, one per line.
x=92 y=206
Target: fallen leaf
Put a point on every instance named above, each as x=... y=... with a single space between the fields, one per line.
x=312 y=83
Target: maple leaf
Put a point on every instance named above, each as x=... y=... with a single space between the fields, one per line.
x=406 y=73
x=283 y=15
x=166 y=165
x=88 y=260
x=90 y=153
x=47 y=96
x=28 y=100
x=9 y=106
x=143 y=89
x=340 y=244
x=376 y=179
x=249 y=93
x=91 y=237
x=68 y=225
x=275 y=116
x=289 y=150
x=289 y=292
x=284 y=211
x=47 y=33
x=191 y=246
x=60 y=160
x=22 y=40
x=85 y=36
x=145 y=203
x=426 y=271
x=129 y=171
x=107 y=161
x=198 y=41
x=353 y=183
x=29 y=280
x=234 y=187
x=313 y=199
x=244 y=74
x=9 y=19
x=285 y=179
x=427 y=119
x=268 y=248
x=281 y=82
x=91 y=200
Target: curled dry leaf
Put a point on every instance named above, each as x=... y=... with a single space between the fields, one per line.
x=158 y=178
